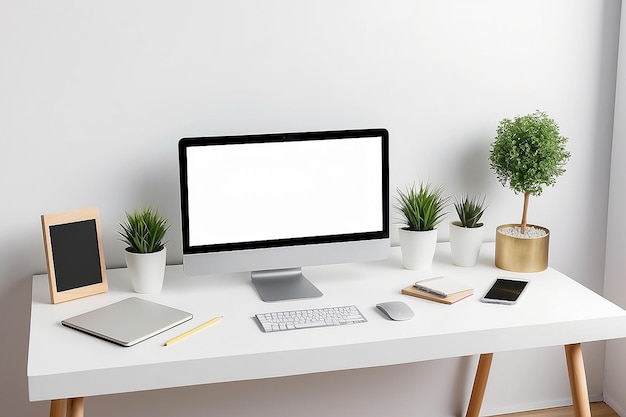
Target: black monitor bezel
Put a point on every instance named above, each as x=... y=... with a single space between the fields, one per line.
x=185 y=143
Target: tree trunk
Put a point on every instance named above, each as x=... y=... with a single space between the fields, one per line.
x=523 y=226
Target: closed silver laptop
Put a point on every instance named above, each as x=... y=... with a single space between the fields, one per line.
x=129 y=321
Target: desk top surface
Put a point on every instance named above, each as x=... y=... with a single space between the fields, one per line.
x=64 y=363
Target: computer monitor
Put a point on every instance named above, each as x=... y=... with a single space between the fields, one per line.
x=274 y=203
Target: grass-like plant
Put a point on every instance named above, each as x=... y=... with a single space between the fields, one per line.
x=470 y=210
x=422 y=209
x=143 y=230
x=528 y=153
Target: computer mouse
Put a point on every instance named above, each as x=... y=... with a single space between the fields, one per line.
x=396 y=310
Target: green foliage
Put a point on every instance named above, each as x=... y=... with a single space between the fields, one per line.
x=143 y=230
x=422 y=209
x=470 y=210
x=528 y=153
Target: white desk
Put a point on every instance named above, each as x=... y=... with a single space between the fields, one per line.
x=555 y=310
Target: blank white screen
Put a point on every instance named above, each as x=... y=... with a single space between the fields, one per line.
x=282 y=190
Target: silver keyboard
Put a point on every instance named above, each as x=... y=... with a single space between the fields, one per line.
x=303 y=319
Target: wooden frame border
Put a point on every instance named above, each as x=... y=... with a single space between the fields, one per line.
x=56 y=219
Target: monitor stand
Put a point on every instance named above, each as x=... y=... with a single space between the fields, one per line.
x=283 y=284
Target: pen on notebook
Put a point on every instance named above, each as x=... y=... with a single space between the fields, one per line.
x=429 y=290
x=195 y=329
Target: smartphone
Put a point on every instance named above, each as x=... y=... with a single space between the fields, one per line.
x=505 y=291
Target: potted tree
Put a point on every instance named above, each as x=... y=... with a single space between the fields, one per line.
x=528 y=153
x=466 y=234
x=422 y=210
x=143 y=231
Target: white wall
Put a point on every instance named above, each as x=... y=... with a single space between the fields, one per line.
x=94 y=96
x=614 y=282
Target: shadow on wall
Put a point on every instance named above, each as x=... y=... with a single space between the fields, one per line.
x=471 y=170
x=24 y=253
x=159 y=188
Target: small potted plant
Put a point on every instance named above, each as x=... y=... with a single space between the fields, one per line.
x=466 y=234
x=143 y=231
x=422 y=209
x=528 y=153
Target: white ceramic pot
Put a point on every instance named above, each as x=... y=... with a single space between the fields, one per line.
x=418 y=248
x=465 y=243
x=147 y=270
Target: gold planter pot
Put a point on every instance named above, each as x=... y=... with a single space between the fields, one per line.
x=518 y=254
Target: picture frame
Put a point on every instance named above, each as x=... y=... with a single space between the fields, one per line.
x=74 y=254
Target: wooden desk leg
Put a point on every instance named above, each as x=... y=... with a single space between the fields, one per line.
x=57 y=408
x=72 y=407
x=577 y=380
x=76 y=407
x=480 y=384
